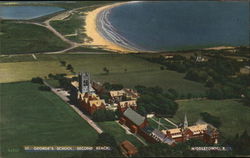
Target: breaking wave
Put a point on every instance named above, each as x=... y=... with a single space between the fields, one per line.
x=109 y=32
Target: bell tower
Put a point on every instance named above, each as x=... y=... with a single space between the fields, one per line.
x=84 y=82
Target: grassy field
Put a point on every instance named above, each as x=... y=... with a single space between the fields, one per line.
x=118 y=132
x=162 y=121
x=139 y=71
x=17 y=38
x=33 y=117
x=53 y=83
x=234 y=116
x=71 y=25
x=23 y=71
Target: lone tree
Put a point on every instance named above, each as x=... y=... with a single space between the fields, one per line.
x=63 y=63
x=106 y=70
x=70 y=68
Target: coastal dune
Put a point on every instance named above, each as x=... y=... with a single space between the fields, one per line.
x=97 y=39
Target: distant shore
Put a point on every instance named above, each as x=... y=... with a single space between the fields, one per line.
x=97 y=39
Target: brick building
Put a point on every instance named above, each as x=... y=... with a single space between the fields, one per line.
x=119 y=95
x=123 y=105
x=86 y=96
x=128 y=149
x=202 y=131
x=134 y=121
x=91 y=102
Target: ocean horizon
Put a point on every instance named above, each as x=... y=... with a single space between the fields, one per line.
x=170 y=25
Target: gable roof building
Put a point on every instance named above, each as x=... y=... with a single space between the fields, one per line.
x=134 y=116
x=128 y=148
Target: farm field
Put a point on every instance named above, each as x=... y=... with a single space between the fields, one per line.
x=18 y=38
x=139 y=71
x=234 y=116
x=118 y=132
x=34 y=117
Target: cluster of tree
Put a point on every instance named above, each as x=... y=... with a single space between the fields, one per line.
x=224 y=92
x=110 y=87
x=153 y=100
x=104 y=139
x=240 y=144
x=63 y=81
x=38 y=80
x=68 y=66
x=56 y=76
x=216 y=73
x=105 y=96
x=180 y=150
x=170 y=94
x=104 y=115
x=44 y=88
x=197 y=75
x=177 y=63
x=213 y=120
x=73 y=95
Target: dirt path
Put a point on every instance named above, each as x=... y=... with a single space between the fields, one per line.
x=47 y=25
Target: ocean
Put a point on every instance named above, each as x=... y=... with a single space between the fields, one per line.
x=171 y=25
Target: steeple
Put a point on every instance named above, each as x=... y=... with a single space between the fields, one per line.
x=185 y=122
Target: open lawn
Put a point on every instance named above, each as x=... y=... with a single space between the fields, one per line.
x=234 y=116
x=166 y=125
x=17 y=38
x=23 y=71
x=118 y=132
x=72 y=25
x=139 y=71
x=33 y=117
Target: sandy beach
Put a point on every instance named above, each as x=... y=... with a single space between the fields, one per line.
x=97 y=39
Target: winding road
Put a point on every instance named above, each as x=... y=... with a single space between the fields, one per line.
x=47 y=25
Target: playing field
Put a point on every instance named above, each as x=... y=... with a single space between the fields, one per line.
x=118 y=132
x=235 y=117
x=33 y=117
x=129 y=70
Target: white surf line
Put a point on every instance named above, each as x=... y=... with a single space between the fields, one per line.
x=111 y=32
x=33 y=55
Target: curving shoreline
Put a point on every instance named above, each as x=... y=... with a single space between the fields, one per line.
x=97 y=39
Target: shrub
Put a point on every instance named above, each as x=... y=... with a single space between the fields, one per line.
x=37 y=80
x=215 y=121
x=44 y=88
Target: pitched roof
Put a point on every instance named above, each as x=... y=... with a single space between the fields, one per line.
x=129 y=103
x=198 y=128
x=117 y=93
x=134 y=116
x=159 y=134
x=97 y=103
x=129 y=146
